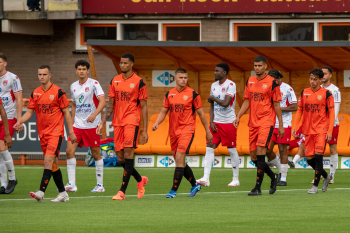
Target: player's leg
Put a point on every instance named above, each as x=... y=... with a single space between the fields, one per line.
x=58 y=179
x=284 y=164
x=96 y=153
x=273 y=158
x=179 y=171
x=208 y=163
x=3 y=176
x=71 y=166
x=300 y=152
x=334 y=160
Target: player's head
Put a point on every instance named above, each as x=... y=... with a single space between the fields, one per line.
x=82 y=68
x=44 y=74
x=327 y=73
x=260 y=65
x=126 y=62
x=276 y=75
x=181 y=77
x=3 y=62
x=221 y=71
x=316 y=76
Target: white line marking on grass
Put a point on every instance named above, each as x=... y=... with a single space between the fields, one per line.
x=288 y=190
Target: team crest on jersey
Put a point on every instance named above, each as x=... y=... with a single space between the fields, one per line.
x=51 y=97
x=264 y=86
x=185 y=97
x=86 y=89
x=132 y=85
x=223 y=89
x=231 y=84
x=96 y=82
x=5 y=83
x=319 y=97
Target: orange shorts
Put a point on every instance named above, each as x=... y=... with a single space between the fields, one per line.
x=315 y=143
x=51 y=145
x=181 y=143
x=260 y=136
x=126 y=136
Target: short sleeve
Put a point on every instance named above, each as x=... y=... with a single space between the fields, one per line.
x=142 y=91
x=62 y=99
x=197 y=102
x=31 y=104
x=98 y=89
x=111 y=91
x=291 y=96
x=337 y=96
x=16 y=85
x=231 y=89
x=166 y=101
x=329 y=99
x=276 y=92
x=301 y=101
x=246 y=93
x=72 y=94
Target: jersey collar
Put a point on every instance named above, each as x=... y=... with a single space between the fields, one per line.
x=181 y=90
x=222 y=83
x=47 y=88
x=4 y=74
x=316 y=90
x=326 y=86
x=132 y=74
x=84 y=82
x=261 y=78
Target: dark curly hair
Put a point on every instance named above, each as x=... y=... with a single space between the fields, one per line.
x=275 y=74
x=317 y=72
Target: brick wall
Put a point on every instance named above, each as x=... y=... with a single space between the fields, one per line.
x=215 y=30
x=26 y=53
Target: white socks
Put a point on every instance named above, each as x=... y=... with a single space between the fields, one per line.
x=234 y=161
x=208 y=161
x=334 y=164
x=3 y=173
x=71 y=164
x=99 y=171
x=296 y=159
x=9 y=164
x=284 y=171
x=277 y=163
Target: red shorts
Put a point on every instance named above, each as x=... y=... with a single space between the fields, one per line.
x=260 y=136
x=51 y=145
x=12 y=122
x=226 y=134
x=181 y=143
x=334 y=135
x=86 y=137
x=285 y=140
x=296 y=143
x=314 y=143
x=126 y=136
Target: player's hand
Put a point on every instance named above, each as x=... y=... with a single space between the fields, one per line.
x=328 y=137
x=20 y=128
x=155 y=126
x=211 y=99
x=99 y=129
x=294 y=133
x=8 y=140
x=145 y=137
x=213 y=127
x=16 y=126
x=236 y=122
x=72 y=137
x=281 y=132
x=91 y=118
x=209 y=136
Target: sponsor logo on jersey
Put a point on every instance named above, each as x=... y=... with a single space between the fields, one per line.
x=185 y=97
x=319 y=97
x=86 y=89
x=81 y=98
x=51 y=97
x=5 y=82
x=132 y=85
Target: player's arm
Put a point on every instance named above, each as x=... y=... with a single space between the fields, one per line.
x=278 y=111
x=69 y=121
x=201 y=115
x=244 y=108
x=74 y=108
x=211 y=113
x=19 y=99
x=160 y=118
x=7 y=139
x=330 y=114
x=298 y=117
x=108 y=112
x=224 y=103
x=144 y=112
x=24 y=118
x=101 y=105
x=291 y=108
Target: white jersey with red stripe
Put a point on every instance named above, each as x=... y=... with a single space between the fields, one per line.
x=336 y=96
x=9 y=86
x=288 y=98
x=222 y=114
x=85 y=96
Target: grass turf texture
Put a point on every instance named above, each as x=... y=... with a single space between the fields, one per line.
x=217 y=208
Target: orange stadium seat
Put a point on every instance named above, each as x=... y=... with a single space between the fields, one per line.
x=158 y=137
x=243 y=136
x=343 y=145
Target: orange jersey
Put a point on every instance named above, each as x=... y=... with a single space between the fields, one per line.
x=127 y=95
x=261 y=94
x=48 y=105
x=182 y=106
x=317 y=109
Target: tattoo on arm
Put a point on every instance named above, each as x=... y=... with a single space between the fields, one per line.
x=109 y=110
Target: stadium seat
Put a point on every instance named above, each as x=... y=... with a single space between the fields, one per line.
x=243 y=136
x=343 y=145
x=158 y=137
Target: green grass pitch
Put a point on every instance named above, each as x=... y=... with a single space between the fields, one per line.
x=217 y=208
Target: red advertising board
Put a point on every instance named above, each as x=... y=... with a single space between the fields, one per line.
x=214 y=6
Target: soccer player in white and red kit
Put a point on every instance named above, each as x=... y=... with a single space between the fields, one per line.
x=222 y=114
x=11 y=96
x=88 y=102
x=327 y=71
x=288 y=104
